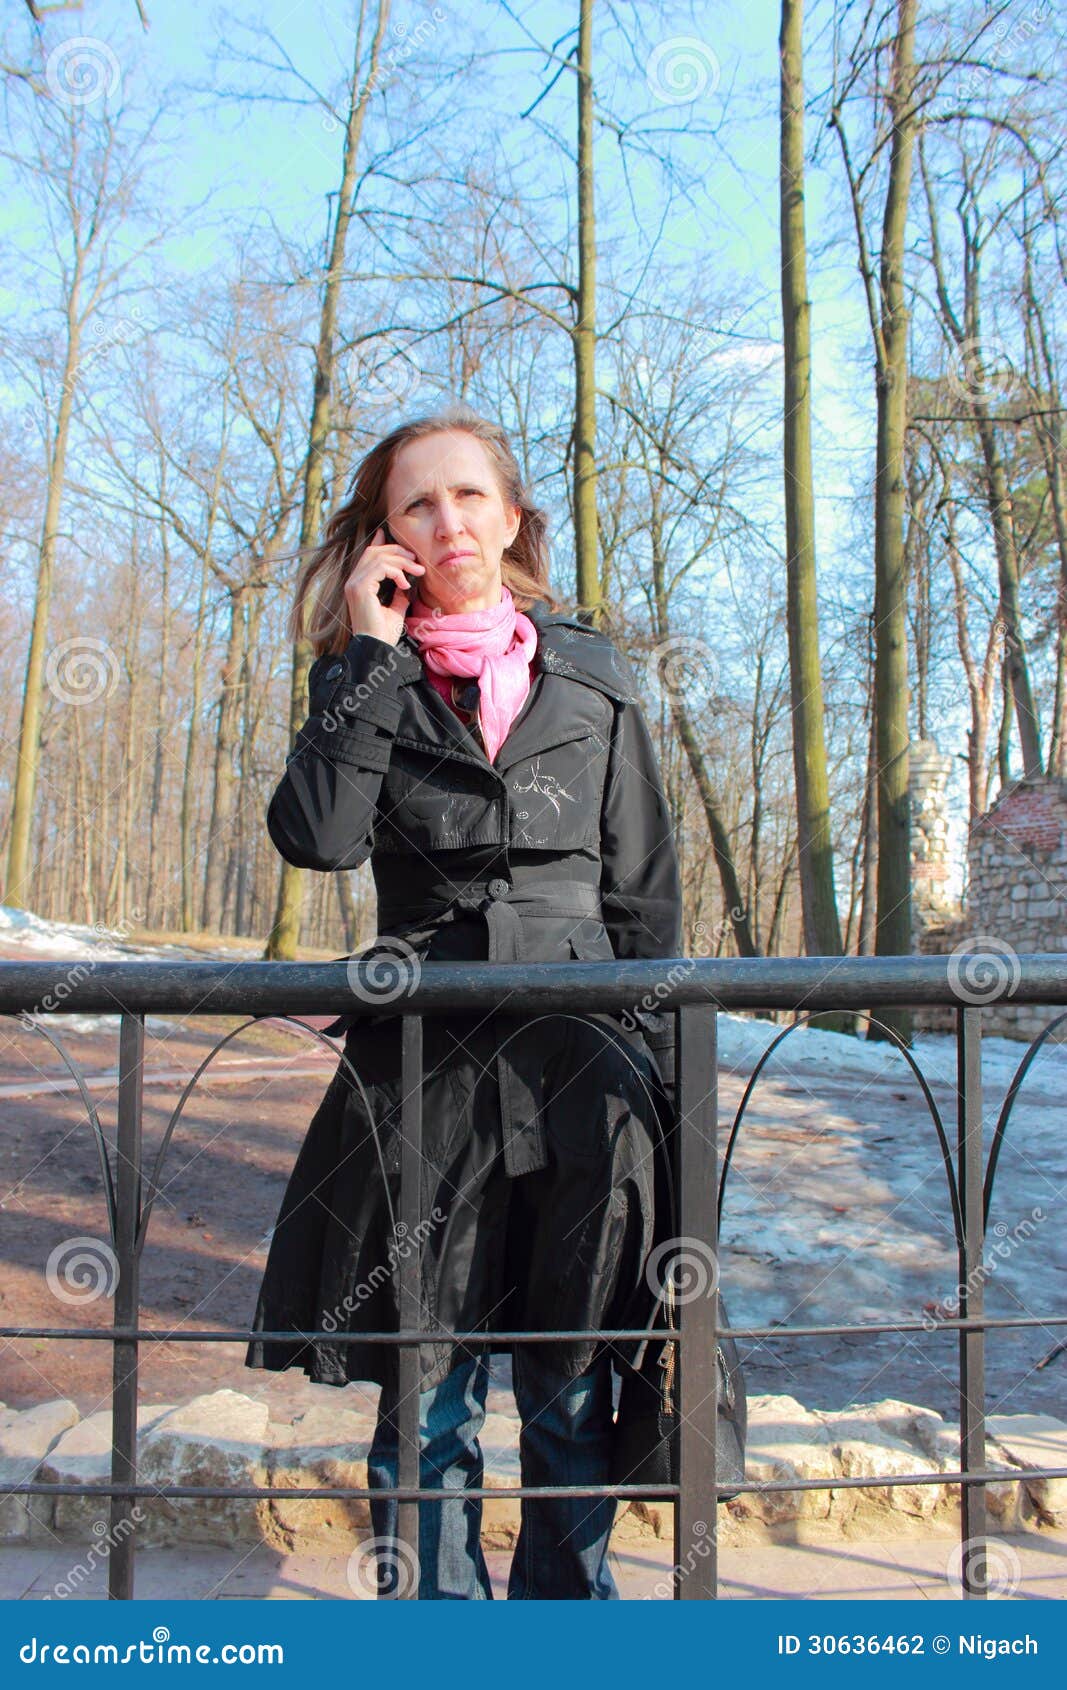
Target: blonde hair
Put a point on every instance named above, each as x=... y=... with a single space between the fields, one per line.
x=320 y=610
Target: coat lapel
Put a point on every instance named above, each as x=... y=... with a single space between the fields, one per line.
x=565 y=652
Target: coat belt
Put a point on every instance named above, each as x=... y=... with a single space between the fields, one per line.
x=519 y=1065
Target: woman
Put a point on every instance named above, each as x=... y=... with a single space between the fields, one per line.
x=490 y=757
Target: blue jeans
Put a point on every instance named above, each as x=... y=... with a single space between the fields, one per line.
x=562 y=1545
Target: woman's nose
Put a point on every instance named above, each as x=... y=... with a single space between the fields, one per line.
x=449 y=521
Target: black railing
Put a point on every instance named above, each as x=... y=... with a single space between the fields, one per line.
x=281 y=991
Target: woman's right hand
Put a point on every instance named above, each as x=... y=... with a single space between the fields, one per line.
x=381 y=560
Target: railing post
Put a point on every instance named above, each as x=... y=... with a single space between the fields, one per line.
x=696 y=1510
x=410 y=1300
x=122 y=1535
x=973 y=1571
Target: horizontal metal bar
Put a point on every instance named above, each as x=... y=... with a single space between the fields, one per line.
x=277 y=988
x=175 y=1335
x=248 y=1493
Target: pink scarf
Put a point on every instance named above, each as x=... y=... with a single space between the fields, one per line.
x=495 y=647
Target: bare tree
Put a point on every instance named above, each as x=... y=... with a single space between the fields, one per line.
x=87 y=170
x=888 y=315
x=822 y=929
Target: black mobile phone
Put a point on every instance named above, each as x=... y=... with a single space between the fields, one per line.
x=387 y=588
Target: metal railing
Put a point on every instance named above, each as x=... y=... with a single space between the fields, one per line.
x=280 y=991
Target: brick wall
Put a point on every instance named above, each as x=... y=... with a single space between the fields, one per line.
x=1017 y=897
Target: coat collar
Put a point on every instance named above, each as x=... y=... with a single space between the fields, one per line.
x=566 y=648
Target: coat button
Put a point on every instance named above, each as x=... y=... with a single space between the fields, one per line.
x=498 y=888
x=334 y=671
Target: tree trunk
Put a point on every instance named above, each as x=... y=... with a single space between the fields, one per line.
x=822 y=930
x=1050 y=432
x=222 y=805
x=346 y=903
x=163 y=690
x=893 y=932
x=590 y=593
x=720 y=839
x=1002 y=520
x=869 y=893
x=17 y=879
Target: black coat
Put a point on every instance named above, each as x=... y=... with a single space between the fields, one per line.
x=542 y=1190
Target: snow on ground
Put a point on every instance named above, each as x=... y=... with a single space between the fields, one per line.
x=31 y=935
x=743 y=1040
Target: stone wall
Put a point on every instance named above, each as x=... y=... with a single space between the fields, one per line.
x=1016 y=897
x=930 y=769
x=226 y=1438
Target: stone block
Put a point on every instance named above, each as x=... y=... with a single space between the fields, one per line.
x=82 y=1456
x=1004 y=1501
x=785 y=1441
x=324 y=1446
x=25 y=1439
x=217 y=1439
x=1035 y=1440
x=880 y=1438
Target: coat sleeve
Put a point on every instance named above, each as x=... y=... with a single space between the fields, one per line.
x=322 y=812
x=640 y=884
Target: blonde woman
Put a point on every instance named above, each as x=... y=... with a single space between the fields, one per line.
x=487 y=752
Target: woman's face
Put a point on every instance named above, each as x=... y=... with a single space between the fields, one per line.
x=445 y=505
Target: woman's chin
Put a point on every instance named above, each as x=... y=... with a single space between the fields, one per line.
x=461 y=589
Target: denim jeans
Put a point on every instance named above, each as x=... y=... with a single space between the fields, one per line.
x=562 y=1546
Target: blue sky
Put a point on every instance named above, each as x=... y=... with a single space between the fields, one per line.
x=259 y=161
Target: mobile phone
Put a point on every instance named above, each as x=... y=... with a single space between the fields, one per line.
x=387 y=588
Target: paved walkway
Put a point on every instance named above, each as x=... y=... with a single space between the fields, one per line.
x=1027 y=1566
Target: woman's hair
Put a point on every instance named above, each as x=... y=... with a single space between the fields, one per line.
x=320 y=610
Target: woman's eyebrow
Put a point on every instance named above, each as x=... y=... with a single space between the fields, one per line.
x=465 y=481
